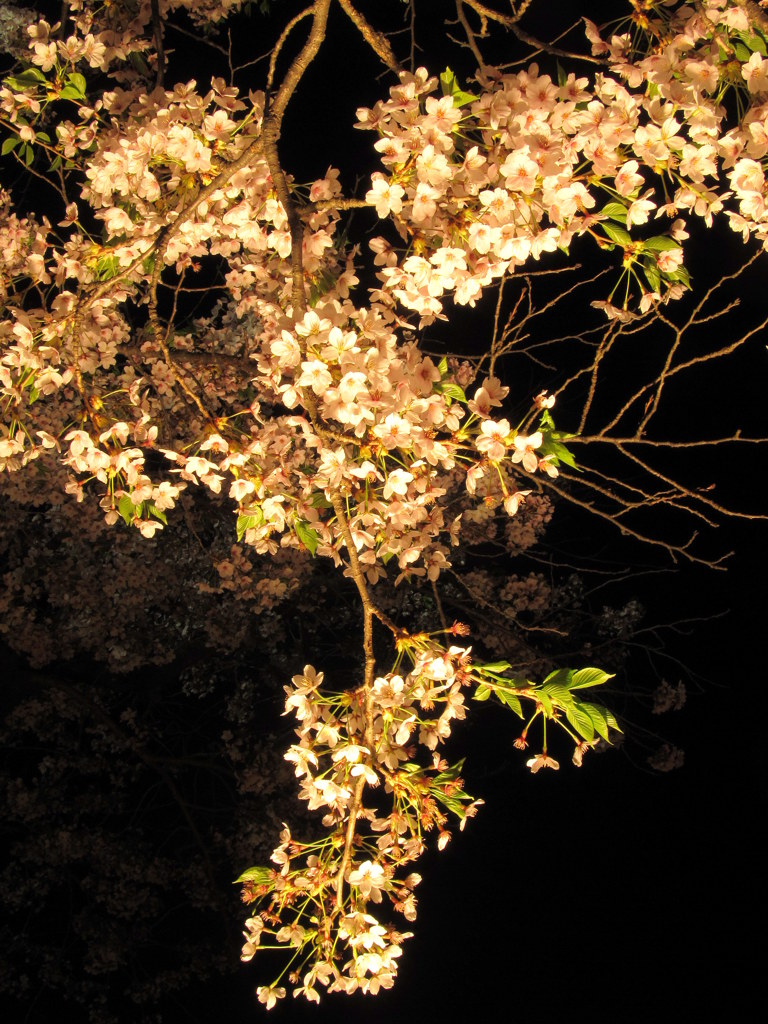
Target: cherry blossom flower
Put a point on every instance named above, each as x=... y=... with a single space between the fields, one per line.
x=370 y=879
x=493 y=441
x=269 y=994
x=525 y=450
x=541 y=761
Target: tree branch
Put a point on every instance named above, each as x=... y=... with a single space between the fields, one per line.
x=376 y=40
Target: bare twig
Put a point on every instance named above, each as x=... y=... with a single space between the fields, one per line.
x=157 y=31
x=281 y=42
x=161 y=337
x=471 y=38
x=376 y=40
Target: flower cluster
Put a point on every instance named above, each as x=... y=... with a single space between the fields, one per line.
x=358 y=762
x=478 y=185
x=354 y=755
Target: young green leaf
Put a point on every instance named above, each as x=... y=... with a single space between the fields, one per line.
x=615 y=233
x=154 y=511
x=259 y=875
x=495 y=666
x=513 y=702
x=451 y=87
x=247 y=523
x=127 y=509
x=616 y=211
x=308 y=537
x=585 y=677
x=581 y=721
x=652 y=275
x=546 y=702
x=77 y=81
x=557 y=692
x=602 y=719
x=660 y=243
x=319 y=500
x=451 y=390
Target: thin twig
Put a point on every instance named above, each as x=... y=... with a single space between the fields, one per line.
x=377 y=41
x=157 y=30
x=280 y=43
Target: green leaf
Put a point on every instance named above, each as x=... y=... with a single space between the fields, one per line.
x=308 y=537
x=660 y=243
x=610 y=719
x=652 y=276
x=549 y=446
x=581 y=721
x=127 y=509
x=442 y=366
x=452 y=803
x=482 y=692
x=154 y=511
x=107 y=267
x=585 y=677
x=564 y=455
x=10 y=144
x=22 y=81
x=681 y=275
x=561 y=676
x=557 y=692
x=742 y=52
x=319 y=500
x=451 y=87
x=755 y=43
x=77 y=81
x=248 y=522
x=616 y=211
x=495 y=666
x=29 y=155
x=447 y=82
x=507 y=697
x=602 y=719
x=615 y=233
x=69 y=92
x=546 y=422
x=449 y=774
x=139 y=63
x=322 y=284
x=259 y=875
x=546 y=702
x=451 y=390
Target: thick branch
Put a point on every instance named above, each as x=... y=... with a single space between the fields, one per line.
x=755 y=14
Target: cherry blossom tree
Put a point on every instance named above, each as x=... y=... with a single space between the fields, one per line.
x=180 y=313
